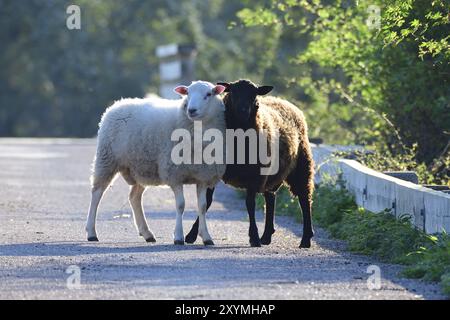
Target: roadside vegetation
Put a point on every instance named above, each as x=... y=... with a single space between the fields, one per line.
x=373 y=73
x=367 y=72
x=380 y=235
x=382 y=159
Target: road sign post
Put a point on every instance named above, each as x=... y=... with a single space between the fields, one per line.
x=177 y=66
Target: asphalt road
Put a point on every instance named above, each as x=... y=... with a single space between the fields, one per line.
x=44 y=197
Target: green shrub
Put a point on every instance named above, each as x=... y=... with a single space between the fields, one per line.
x=286 y=205
x=378 y=234
x=445 y=283
x=431 y=261
x=382 y=159
x=383 y=236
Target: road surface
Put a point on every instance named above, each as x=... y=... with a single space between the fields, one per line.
x=44 y=196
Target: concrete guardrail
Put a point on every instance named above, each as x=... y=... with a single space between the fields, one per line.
x=429 y=209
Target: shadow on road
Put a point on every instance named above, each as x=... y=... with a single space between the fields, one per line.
x=185 y=271
x=85 y=248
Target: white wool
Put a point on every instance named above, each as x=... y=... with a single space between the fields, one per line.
x=135 y=135
x=135 y=139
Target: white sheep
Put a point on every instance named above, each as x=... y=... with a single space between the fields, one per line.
x=134 y=139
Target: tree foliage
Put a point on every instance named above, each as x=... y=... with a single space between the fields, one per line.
x=360 y=77
x=384 y=79
x=57 y=82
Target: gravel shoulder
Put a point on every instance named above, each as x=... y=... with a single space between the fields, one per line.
x=44 y=196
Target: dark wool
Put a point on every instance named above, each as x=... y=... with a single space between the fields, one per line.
x=247 y=108
x=296 y=166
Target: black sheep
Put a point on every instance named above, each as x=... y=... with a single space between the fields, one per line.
x=246 y=108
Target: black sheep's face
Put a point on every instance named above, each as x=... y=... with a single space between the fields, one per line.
x=243 y=95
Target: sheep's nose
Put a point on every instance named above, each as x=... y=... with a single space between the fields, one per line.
x=192 y=111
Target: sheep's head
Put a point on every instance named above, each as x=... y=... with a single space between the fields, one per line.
x=242 y=95
x=199 y=97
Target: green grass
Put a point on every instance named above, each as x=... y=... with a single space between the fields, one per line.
x=380 y=235
x=285 y=204
x=432 y=262
x=377 y=234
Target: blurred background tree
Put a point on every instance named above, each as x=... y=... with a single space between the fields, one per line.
x=374 y=72
x=382 y=81
x=366 y=72
x=57 y=82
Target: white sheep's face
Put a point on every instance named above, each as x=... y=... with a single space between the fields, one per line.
x=199 y=96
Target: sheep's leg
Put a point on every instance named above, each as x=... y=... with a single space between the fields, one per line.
x=96 y=197
x=202 y=227
x=192 y=235
x=301 y=183
x=104 y=172
x=308 y=232
x=179 y=199
x=101 y=179
x=99 y=185
x=253 y=230
x=269 y=230
x=135 y=199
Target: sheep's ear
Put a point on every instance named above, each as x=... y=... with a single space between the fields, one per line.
x=181 y=90
x=226 y=85
x=262 y=90
x=219 y=89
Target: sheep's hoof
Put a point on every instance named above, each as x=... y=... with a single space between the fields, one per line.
x=305 y=243
x=266 y=240
x=255 y=243
x=151 y=239
x=179 y=242
x=93 y=239
x=208 y=243
x=190 y=238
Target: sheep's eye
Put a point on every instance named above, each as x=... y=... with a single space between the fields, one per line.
x=208 y=95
